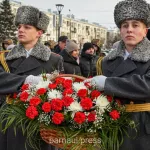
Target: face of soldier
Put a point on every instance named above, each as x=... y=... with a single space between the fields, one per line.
x=132 y=32
x=28 y=34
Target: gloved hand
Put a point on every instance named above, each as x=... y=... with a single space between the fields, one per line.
x=98 y=81
x=33 y=79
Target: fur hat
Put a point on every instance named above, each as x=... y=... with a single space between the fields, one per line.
x=71 y=46
x=32 y=16
x=131 y=9
x=87 y=46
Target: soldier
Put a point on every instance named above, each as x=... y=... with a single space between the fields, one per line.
x=29 y=57
x=126 y=70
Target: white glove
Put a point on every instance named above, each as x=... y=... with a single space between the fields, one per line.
x=98 y=81
x=33 y=79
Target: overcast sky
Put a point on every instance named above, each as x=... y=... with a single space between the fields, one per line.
x=100 y=11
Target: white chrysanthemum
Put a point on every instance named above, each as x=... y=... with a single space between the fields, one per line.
x=42 y=84
x=77 y=86
x=101 y=101
x=54 y=94
x=75 y=106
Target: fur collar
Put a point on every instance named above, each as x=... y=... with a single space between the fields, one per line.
x=39 y=51
x=140 y=53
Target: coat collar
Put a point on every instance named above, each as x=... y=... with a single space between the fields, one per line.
x=39 y=51
x=140 y=53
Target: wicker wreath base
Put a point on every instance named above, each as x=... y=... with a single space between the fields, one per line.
x=57 y=139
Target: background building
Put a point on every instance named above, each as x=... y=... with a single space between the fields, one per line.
x=79 y=30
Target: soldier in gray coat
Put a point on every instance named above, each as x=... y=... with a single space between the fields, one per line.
x=126 y=70
x=29 y=57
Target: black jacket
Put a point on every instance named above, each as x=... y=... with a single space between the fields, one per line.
x=88 y=64
x=56 y=49
x=70 y=64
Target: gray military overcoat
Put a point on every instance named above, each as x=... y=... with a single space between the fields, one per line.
x=129 y=80
x=41 y=60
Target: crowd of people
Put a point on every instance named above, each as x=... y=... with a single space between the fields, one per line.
x=124 y=73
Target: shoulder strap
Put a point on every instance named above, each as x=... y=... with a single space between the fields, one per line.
x=3 y=61
x=99 y=66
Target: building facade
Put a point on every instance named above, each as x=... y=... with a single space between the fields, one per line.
x=79 y=30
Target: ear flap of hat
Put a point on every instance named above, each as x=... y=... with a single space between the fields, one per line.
x=43 y=21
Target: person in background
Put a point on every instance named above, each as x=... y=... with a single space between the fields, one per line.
x=126 y=70
x=88 y=60
x=97 y=49
x=61 y=44
x=71 y=56
x=29 y=57
x=47 y=44
x=7 y=44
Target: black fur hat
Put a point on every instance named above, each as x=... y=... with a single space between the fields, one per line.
x=131 y=9
x=32 y=16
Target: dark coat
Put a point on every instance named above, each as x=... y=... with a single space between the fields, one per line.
x=88 y=64
x=40 y=60
x=10 y=83
x=56 y=49
x=70 y=64
x=130 y=81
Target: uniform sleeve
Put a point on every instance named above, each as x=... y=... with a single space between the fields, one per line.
x=134 y=87
x=10 y=83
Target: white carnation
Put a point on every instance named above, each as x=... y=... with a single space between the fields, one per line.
x=75 y=106
x=101 y=102
x=42 y=84
x=54 y=94
x=77 y=86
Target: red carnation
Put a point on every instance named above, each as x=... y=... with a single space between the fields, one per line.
x=25 y=87
x=91 y=117
x=114 y=114
x=109 y=98
x=87 y=84
x=86 y=103
x=59 y=80
x=67 y=83
x=46 y=107
x=58 y=118
x=78 y=80
x=82 y=93
x=52 y=85
x=41 y=91
x=57 y=104
x=95 y=94
x=24 y=96
x=35 y=101
x=79 y=117
x=67 y=92
x=67 y=101
x=31 y=112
